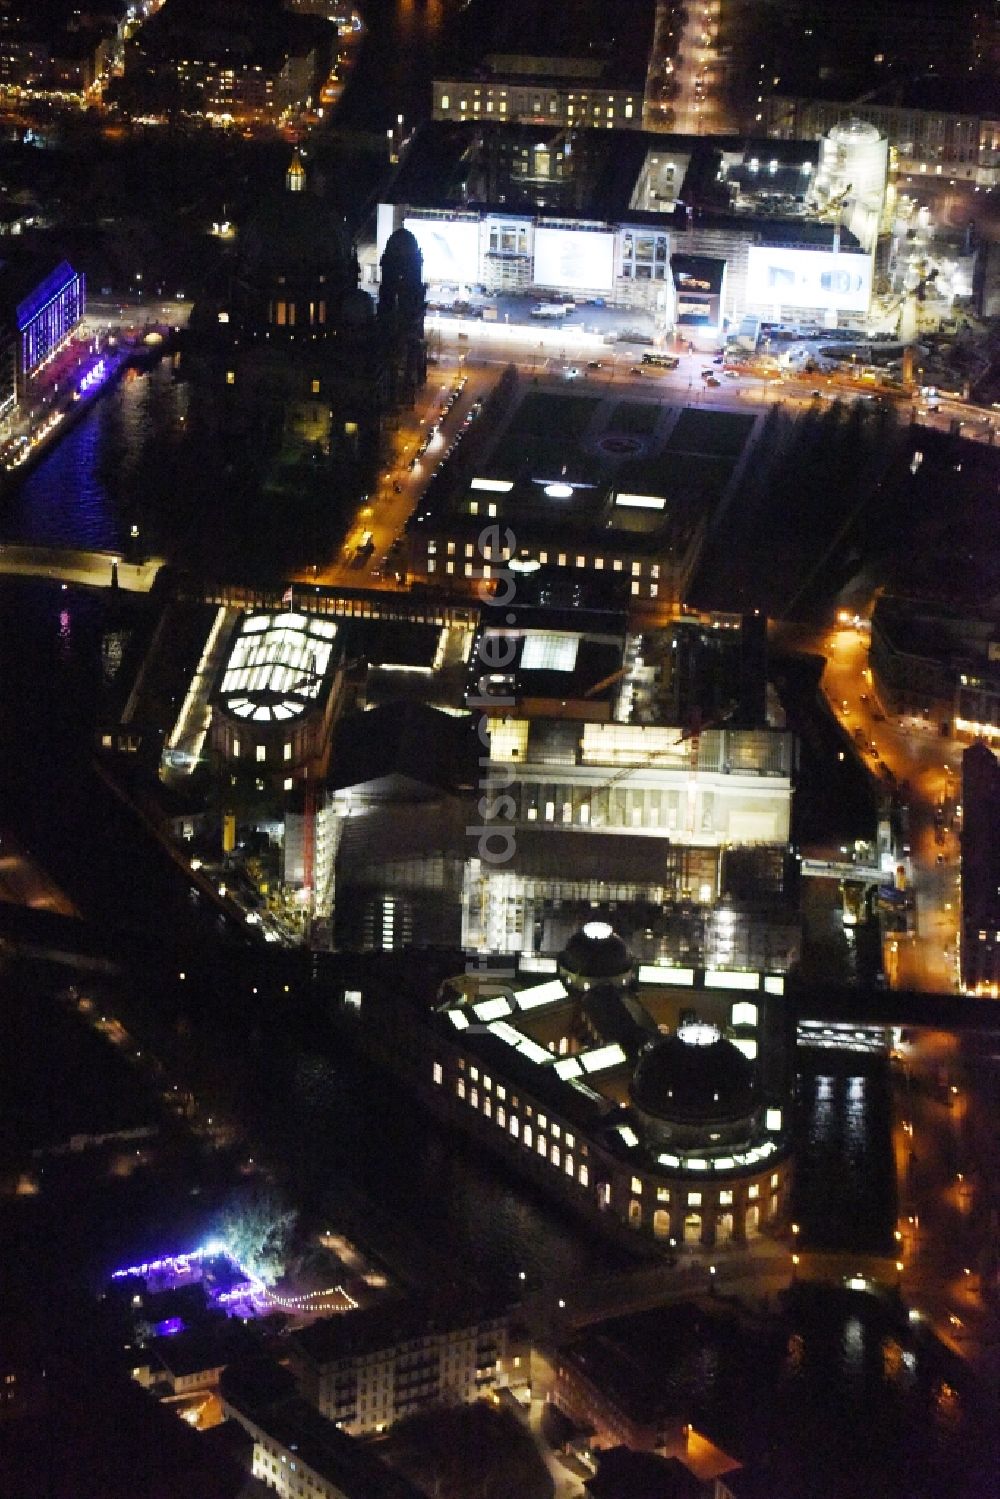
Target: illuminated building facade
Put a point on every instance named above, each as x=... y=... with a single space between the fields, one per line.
x=278 y=694
x=380 y=1364
x=634 y=507
x=938 y=662
x=652 y=1100
x=41 y=311
x=249 y=67
x=961 y=142
x=773 y=228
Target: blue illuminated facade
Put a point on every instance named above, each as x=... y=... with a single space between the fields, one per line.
x=47 y=315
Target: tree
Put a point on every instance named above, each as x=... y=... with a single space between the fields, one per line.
x=256 y=1226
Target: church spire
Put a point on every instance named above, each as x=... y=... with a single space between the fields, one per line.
x=295 y=177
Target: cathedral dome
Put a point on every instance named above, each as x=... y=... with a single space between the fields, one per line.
x=293 y=231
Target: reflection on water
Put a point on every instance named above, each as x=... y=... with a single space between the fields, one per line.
x=844 y=1191
x=406 y=42
x=116 y=468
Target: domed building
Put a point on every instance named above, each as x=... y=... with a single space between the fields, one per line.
x=290 y=351
x=653 y=1099
x=694 y=1086
x=297 y=263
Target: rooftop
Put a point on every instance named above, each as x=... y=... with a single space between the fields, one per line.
x=278 y=666
x=292 y=1423
x=584 y=37
x=386 y=1325
x=640 y=475
x=611 y=176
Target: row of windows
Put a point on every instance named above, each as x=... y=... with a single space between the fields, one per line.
x=503 y=555
x=285 y=314
x=468 y=570
x=559 y=1155
x=260 y=751
x=51 y=325
x=552 y=105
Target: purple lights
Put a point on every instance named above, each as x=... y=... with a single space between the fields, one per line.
x=169 y=1326
x=94 y=377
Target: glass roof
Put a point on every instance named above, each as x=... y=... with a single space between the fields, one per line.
x=277 y=666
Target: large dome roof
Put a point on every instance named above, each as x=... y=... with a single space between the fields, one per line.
x=692 y=1077
x=293 y=231
x=596 y=952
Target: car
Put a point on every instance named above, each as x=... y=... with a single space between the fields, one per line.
x=815 y=394
x=635 y=370
x=705 y=374
x=713 y=381
x=594 y=364
x=731 y=374
x=718 y=359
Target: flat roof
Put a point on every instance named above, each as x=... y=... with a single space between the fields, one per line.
x=476 y=165
x=567 y=465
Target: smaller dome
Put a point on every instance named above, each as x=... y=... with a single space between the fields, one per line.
x=596 y=952
x=694 y=1077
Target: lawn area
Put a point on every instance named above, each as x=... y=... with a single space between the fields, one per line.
x=639 y=418
x=541 y=411
x=721 y=434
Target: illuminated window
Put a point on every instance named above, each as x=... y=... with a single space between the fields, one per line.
x=725 y=1199
x=527 y=1136
x=555 y=1155
x=445 y=101
x=288 y=783
x=663 y=1194
x=556 y=1131
x=694 y=1199
x=230 y=377
x=628 y=109
x=753 y=1192
x=315 y=387
x=460 y=1087
x=287 y=751
x=502 y=1118
x=438 y=1073
x=774 y=1179
x=236 y=749
x=542 y=1146
x=636 y=1184
x=261 y=752
x=583 y=1175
